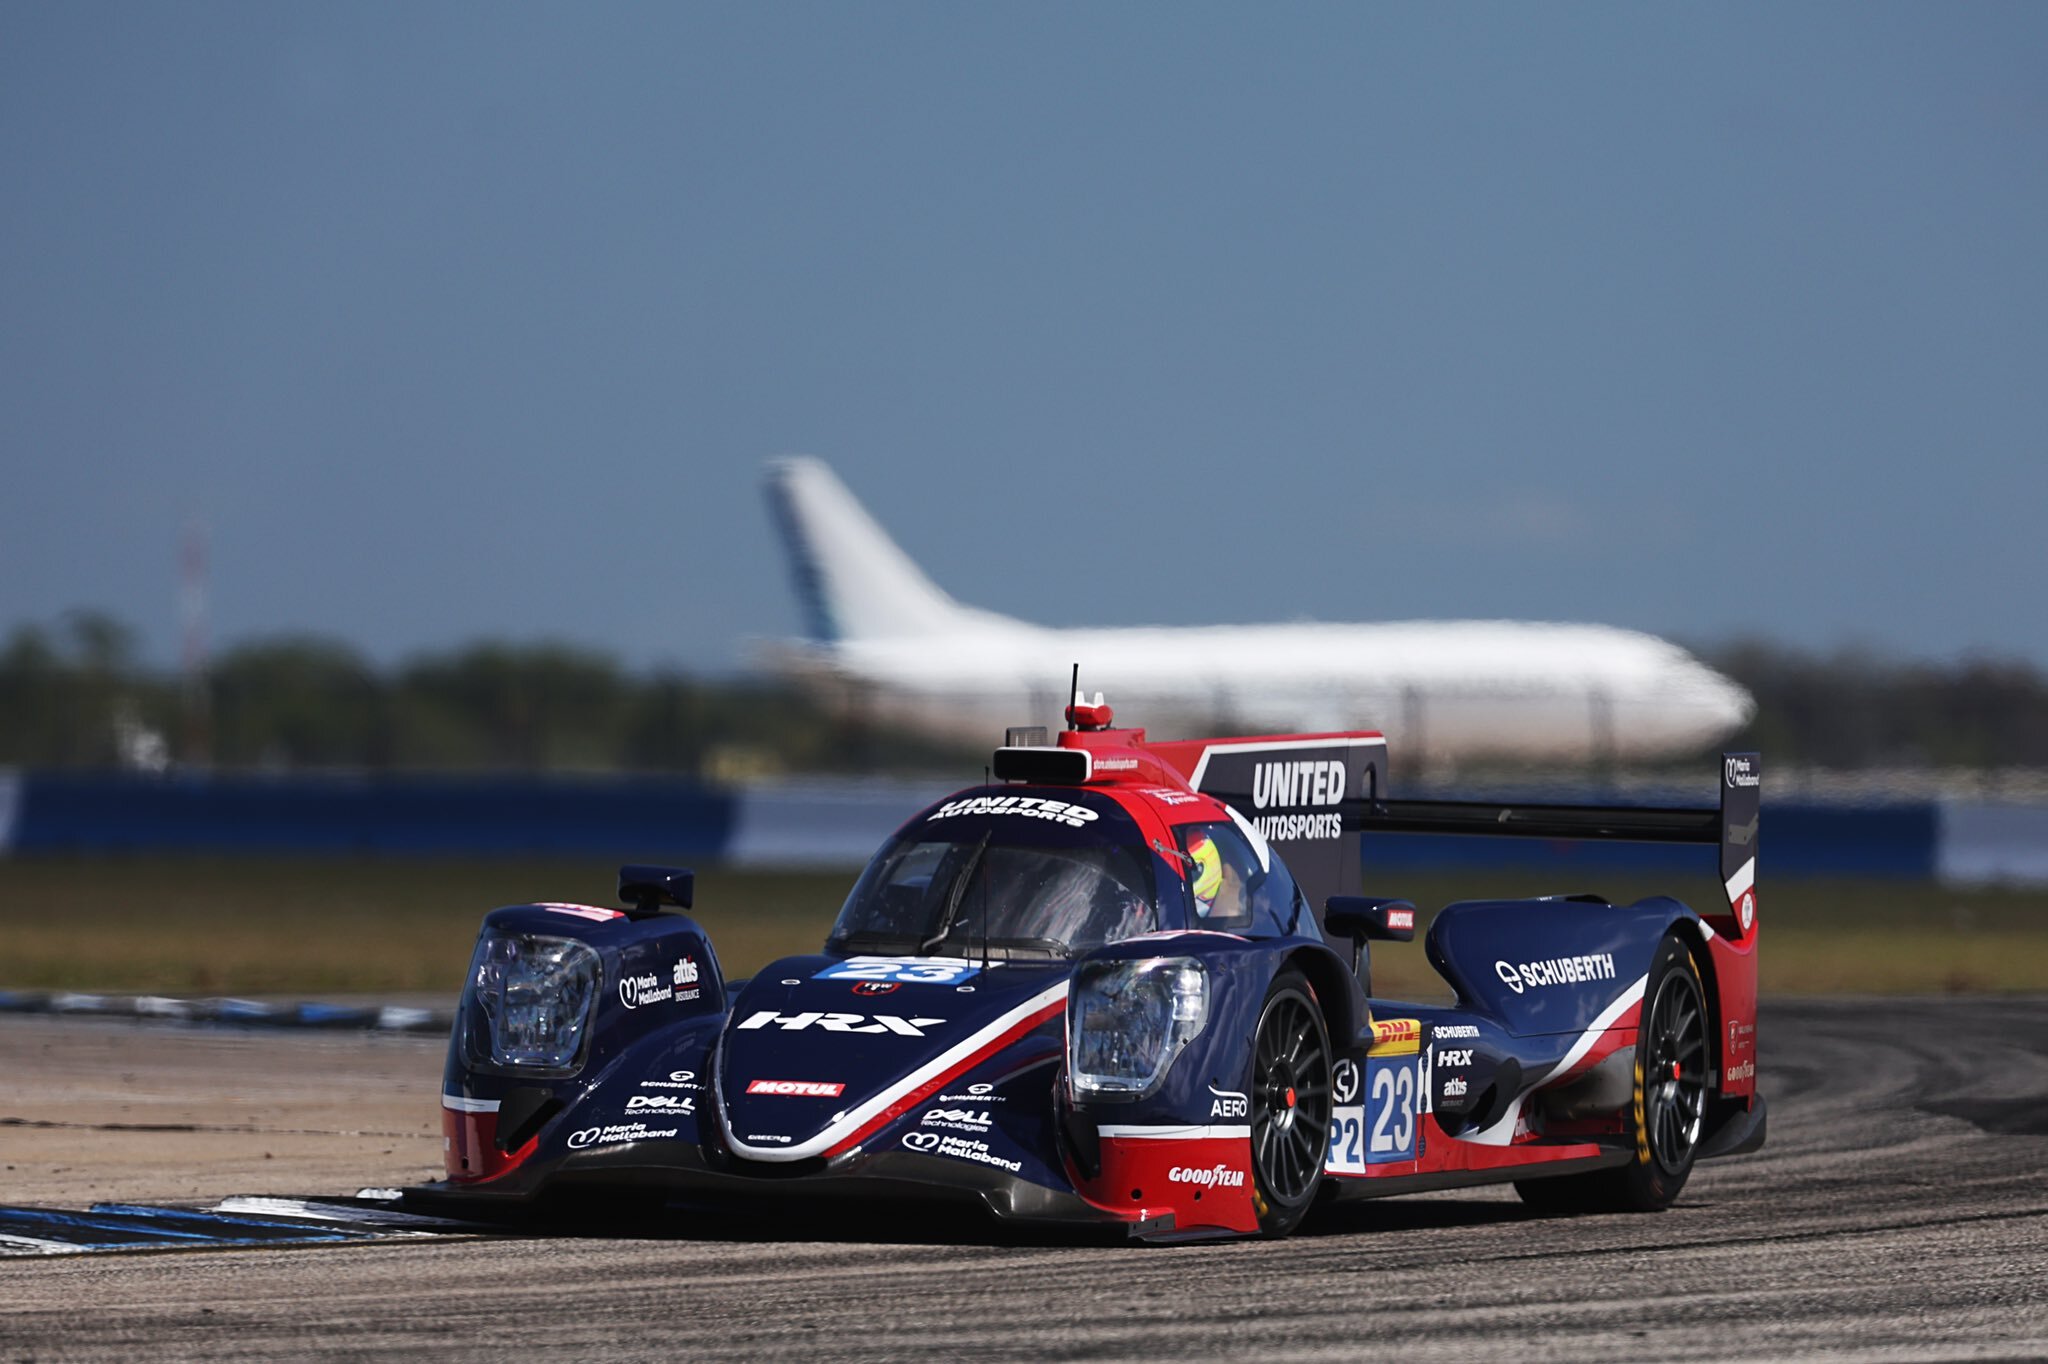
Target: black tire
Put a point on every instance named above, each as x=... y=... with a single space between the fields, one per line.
x=1674 y=1048
x=1290 y=1106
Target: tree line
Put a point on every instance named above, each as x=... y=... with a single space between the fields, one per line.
x=73 y=695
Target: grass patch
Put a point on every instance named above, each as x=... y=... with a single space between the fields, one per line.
x=313 y=926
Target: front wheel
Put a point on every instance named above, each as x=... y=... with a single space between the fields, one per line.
x=1290 y=1104
x=1673 y=1051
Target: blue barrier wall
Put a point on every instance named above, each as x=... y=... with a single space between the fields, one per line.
x=624 y=818
x=839 y=823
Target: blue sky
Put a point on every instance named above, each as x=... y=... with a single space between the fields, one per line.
x=457 y=320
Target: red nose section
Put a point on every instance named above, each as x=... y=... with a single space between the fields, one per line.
x=1202 y=1181
x=469 y=1147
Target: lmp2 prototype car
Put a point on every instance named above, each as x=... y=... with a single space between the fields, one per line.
x=1097 y=991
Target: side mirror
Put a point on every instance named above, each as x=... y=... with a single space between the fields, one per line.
x=647 y=889
x=1364 y=918
x=1359 y=917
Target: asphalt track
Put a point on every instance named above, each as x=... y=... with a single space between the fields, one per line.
x=1899 y=1211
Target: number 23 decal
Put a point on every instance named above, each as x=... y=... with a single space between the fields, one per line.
x=1383 y=1128
x=909 y=970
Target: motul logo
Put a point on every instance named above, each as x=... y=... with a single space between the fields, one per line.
x=798 y=1089
x=880 y=1023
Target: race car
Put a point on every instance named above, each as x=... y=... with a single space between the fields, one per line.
x=1127 y=984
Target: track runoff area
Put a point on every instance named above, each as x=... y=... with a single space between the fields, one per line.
x=1899 y=1210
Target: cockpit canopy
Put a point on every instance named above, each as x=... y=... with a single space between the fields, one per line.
x=1025 y=872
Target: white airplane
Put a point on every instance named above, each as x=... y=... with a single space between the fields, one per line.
x=884 y=635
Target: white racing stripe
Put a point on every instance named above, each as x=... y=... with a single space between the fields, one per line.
x=1632 y=995
x=853 y=1119
x=1502 y=1133
x=1744 y=878
x=1178 y=1133
x=312 y=1210
x=466 y=1105
x=11 y=1244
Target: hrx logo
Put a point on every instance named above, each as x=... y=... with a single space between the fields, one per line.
x=879 y=1023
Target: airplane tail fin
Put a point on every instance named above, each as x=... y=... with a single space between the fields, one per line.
x=852 y=580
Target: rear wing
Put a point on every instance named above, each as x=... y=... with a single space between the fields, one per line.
x=1732 y=825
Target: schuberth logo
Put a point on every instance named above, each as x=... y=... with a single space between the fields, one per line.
x=677 y=1079
x=1555 y=971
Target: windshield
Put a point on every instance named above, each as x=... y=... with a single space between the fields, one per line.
x=1006 y=886
x=1233 y=890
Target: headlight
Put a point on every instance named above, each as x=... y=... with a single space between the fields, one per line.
x=1128 y=1020
x=535 y=994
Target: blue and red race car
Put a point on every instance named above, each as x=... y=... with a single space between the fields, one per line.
x=1128 y=984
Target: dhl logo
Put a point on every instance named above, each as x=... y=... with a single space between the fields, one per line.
x=1396 y=1036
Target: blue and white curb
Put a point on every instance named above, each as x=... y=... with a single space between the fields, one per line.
x=233 y=1012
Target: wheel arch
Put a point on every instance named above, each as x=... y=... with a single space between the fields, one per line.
x=1693 y=934
x=1336 y=990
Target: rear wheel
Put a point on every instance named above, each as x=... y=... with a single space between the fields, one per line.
x=1290 y=1104
x=1673 y=1051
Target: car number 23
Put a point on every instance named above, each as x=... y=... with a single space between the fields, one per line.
x=1384 y=1127
x=907 y=970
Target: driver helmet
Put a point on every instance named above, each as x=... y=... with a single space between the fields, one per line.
x=1206 y=880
